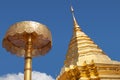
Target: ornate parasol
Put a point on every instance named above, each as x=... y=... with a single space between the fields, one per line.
x=28 y=39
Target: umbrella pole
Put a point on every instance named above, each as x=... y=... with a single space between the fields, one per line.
x=28 y=59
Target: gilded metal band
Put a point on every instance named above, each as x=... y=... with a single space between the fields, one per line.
x=28 y=57
x=27 y=69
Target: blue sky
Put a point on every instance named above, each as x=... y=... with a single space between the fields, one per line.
x=99 y=19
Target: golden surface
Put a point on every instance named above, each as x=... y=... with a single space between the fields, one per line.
x=81 y=45
x=28 y=59
x=82 y=49
x=84 y=72
x=28 y=39
x=16 y=38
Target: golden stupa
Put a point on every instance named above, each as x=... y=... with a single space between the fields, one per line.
x=86 y=61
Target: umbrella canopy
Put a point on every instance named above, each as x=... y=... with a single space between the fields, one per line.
x=16 y=38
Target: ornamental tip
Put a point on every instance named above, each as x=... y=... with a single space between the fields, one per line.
x=72 y=10
x=74 y=19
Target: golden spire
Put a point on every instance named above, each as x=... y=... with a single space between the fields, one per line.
x=83 y=53
x=82 y=46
